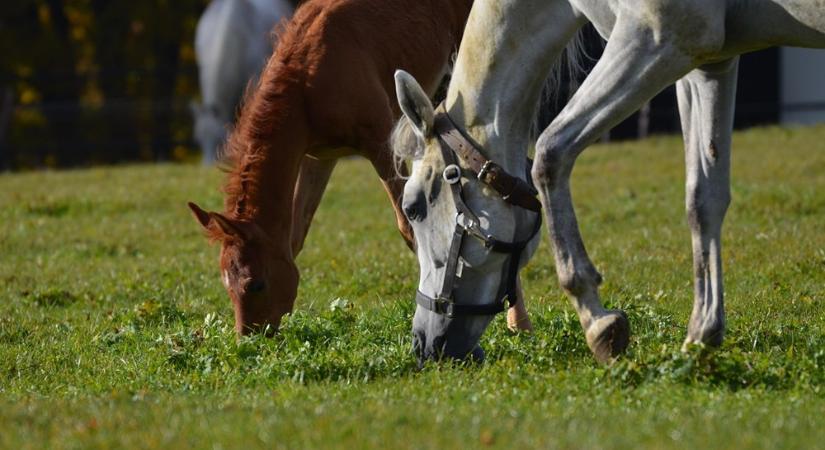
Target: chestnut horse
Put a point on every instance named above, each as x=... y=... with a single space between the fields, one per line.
x=327 y=91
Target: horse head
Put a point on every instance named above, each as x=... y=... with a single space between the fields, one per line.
x=260 y=279
x=462 y=282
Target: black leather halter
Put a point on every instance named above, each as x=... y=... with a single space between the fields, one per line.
x=454 y=142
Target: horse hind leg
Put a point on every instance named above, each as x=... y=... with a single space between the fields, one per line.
x=309 y=190
x=706 y=104
x=517 y=317
x=634 y=67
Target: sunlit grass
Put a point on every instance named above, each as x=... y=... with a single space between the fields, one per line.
x=115 y=330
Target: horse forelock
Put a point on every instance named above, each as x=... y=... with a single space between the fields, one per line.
x=405 y=143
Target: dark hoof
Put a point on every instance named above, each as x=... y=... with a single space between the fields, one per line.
x=609 y=336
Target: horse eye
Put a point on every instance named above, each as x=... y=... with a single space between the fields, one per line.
x=255 y=286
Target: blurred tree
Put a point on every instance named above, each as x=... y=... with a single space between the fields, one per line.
x=97 y=81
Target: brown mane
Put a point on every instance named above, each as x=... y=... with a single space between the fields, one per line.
x=264 y=113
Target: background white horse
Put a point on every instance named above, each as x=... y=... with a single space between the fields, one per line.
x=508 y=48
x=232 y=42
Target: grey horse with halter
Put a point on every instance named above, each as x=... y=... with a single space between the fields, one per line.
x=508 y=49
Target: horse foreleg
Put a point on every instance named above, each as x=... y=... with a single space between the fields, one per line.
x=309 y=189
x=706 y=103
x=634 y=67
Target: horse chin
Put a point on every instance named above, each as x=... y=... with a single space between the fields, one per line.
x=424 y=352
x=439 y=338
x=267 y=326
x=268 y=329
x=475 y=356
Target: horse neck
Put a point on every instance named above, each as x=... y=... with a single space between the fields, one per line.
x=506 y=55
x=267 y=147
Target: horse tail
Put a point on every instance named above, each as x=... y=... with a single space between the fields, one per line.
x=563 y=81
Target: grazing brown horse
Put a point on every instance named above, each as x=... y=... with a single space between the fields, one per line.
x=328 y=91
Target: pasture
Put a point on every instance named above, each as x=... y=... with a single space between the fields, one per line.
x=116 y=331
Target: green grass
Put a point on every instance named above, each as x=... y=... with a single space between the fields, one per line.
x=115 y=330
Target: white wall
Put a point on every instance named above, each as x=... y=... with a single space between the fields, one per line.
x=803 y=86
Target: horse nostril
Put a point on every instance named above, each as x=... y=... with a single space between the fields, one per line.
x=255 y=287
x=409 y=211
x=415 y=210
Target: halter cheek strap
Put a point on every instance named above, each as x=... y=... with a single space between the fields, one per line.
x=453 y=142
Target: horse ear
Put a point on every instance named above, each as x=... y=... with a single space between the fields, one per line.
x=201 y=215
x=214 y=223
x=414 y=103
x=225 y=225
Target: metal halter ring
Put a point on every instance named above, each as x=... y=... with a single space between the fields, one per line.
x=452 y=174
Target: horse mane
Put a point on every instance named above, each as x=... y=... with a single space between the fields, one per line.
x=266 y=107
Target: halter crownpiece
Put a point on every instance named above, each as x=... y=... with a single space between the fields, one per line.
x=514 y=190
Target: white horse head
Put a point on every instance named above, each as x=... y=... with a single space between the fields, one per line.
x=430 y=204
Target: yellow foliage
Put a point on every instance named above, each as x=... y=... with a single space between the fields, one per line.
x=92 y=96
x=29 y=117
x=44 y=15
x=180 y=153
x=29 y=96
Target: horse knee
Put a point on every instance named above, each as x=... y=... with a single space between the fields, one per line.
x=579 y=281
x=553 y=161
x=706 y=207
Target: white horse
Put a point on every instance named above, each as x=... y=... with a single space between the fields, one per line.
x=232 y=42
x=508 y=49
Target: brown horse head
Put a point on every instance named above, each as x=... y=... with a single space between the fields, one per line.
x=260 y=280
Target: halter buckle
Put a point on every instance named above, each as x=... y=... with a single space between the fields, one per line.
x=485 y=169
x=445 y=307
x=452 y=174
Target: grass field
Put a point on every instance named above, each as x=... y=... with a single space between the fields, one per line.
x=115 y=330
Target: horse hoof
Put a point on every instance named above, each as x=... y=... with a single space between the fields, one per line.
x=609 y=336
x=707 y=335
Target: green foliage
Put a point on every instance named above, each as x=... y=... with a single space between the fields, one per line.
x=115 y=330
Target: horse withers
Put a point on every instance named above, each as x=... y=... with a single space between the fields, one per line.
x=232 y=43
x=327 y=91
x=508 y=49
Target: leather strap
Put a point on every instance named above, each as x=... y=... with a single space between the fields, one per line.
x=453 y=142
x=451 y=309
x=513 y=190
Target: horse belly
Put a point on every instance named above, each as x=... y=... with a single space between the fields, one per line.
x=754 y=24
x=325 y=152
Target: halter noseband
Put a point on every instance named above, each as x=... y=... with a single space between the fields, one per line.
x=514 y=190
